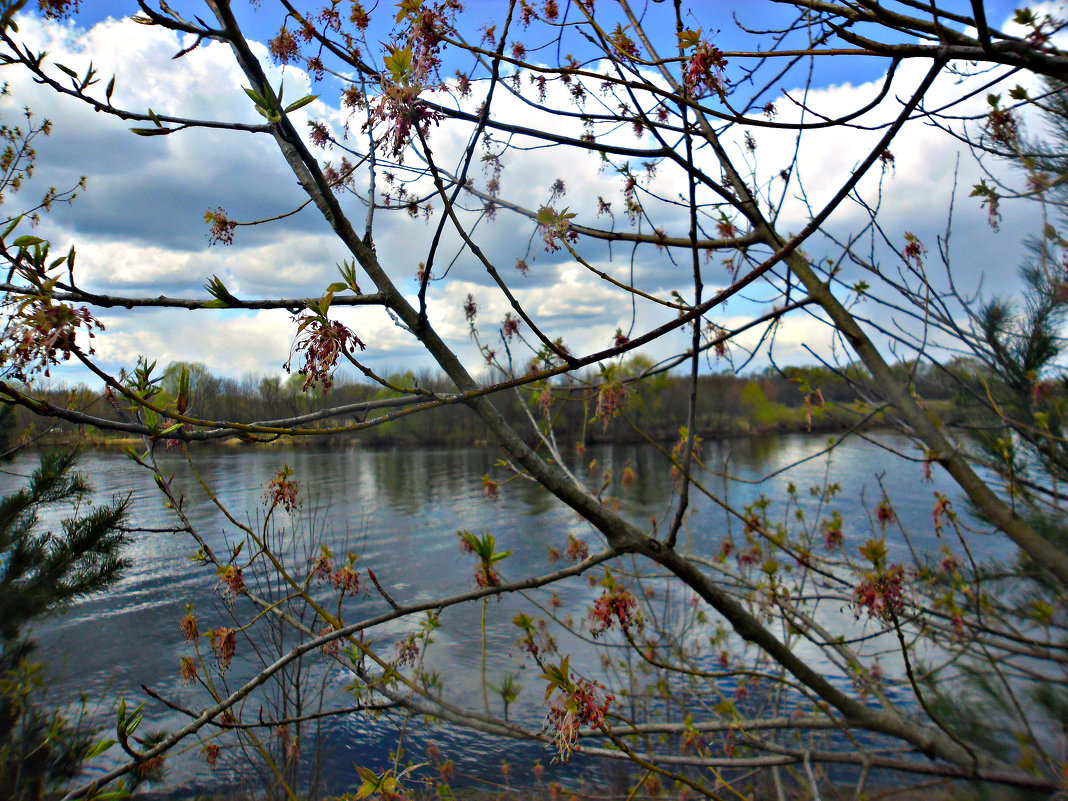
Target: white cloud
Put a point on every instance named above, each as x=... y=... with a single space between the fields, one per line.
x=140 y=230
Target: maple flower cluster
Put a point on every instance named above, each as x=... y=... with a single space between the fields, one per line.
x=411 y=68
x=615 y=605
x=233 y=582
x=881 y=593
x=41 y=333
x=581 y=703
x=282 y=491
x=221 y=227
x=345 y=579
x=704 y=71
x=322 y=343
x=610 y=398
x=223 y=642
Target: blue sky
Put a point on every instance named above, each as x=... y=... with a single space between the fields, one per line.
x=139 y=228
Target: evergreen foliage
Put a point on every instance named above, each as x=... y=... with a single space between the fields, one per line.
x=41 y=573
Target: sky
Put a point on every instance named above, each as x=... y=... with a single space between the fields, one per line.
x=139 y=227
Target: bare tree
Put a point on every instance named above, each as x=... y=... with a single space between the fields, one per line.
x=648 y=92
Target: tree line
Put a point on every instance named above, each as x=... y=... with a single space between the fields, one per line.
x=654 y=405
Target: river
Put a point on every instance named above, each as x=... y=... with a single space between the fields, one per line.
x=400 y=512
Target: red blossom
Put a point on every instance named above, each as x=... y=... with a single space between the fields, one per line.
x=704 y=71
x=233 y=582
x=510 y=326
x=610 y=398
x=331 y=647
x=282 y=491
x=407 y=651
x=223 y=642
x=321 y=343
x=346 y=580
x=470 y=309
x=58 y=9
x=486 y=576
x=914 y=250
x=283 y=47
x=188 y=625
x=578 y=703
x=324 y=565
x=41 y=333
x=941 y=510
x=577 y=550
x=210 y=752
x=1003 y=126
x=678 y=453
x=359 y=17
x=187 y=670
x=546 y=400
x=881 y=593
x=884 y=512
x=320 y=135
x=615 y=605
x=222 y=227
x=463 y=84
x=832 y=531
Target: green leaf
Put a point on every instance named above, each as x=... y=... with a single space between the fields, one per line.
x=9 y=10
x=257 y=98
x=27 y=241
x=324 y=303
x=11 y=227
x=150 y=131
x=217 y=289
x=337 y=287
x=135 y=721
x=152 y=116
x=68 y=71
x=114 y=795
x=546 y=216
x=689 y=38
x=370 y=782
x=399 y=63
x=301 y=103
x=99 y=748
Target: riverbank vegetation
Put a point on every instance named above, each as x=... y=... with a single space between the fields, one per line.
x=653 y=405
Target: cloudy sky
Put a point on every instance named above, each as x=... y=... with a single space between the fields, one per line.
x=139 y=228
